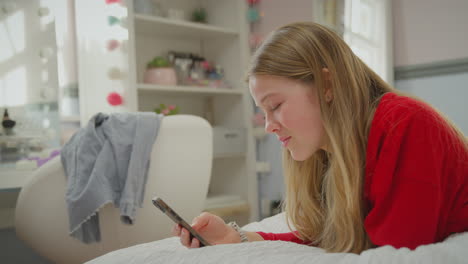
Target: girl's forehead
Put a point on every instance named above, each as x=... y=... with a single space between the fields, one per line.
x=264 y=86
x=265 y=83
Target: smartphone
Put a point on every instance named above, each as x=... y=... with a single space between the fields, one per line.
x=159 y=203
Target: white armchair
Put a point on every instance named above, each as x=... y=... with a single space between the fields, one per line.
x=180 y=172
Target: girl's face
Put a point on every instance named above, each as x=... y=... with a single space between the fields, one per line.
x=292 y=112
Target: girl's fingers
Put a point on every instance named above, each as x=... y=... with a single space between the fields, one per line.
x=176 y=230
x=185 y=238
x=195 y=243
x=201 y=220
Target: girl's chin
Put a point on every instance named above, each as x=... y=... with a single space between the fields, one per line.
x=297 y=156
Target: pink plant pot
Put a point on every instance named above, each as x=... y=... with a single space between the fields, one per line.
x=163 y=76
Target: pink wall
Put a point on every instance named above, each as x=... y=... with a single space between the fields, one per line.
x=280 y=12
x=424 y=31
x=429 y=30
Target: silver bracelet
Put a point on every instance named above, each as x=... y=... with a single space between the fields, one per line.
x=241 y=232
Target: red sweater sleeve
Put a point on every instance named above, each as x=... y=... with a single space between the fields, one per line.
x=415 y=177
x=290 y=237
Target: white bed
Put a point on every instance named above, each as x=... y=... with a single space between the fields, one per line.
x=453 y=250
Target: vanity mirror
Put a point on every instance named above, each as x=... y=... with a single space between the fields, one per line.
x=30 y=56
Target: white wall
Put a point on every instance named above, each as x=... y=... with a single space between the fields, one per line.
x=429 y=30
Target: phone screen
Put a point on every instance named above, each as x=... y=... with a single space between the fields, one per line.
x=159 y=203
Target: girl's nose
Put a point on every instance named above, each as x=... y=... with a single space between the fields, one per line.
x=271 y=126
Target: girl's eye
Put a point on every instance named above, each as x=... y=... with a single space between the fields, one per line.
x=275 y=107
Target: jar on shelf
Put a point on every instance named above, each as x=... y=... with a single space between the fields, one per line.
x=159 y=71
x=162 y=76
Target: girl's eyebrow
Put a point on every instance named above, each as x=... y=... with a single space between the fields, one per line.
x=266 y=96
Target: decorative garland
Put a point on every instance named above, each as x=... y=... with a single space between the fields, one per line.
x=253 y=17
x=114 y=2
x=114 y=98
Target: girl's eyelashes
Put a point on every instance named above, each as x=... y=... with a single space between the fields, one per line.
x=275 y=107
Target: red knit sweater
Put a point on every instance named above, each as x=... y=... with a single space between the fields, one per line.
x=416 y=177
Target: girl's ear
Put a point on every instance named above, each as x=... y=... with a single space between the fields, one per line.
x=328 y=87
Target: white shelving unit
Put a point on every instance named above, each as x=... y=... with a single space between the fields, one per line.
x=223 y=40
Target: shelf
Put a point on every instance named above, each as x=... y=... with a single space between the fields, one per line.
x=215 y=201
x=259 y=132
x=229 y=155
x=187 y=89
x=70 y=119
x=21 y=138
x=13 y=180
x=230 y=210
x=226 y=205
x=171 y=27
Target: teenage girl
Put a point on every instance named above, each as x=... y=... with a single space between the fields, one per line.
x=365 y=165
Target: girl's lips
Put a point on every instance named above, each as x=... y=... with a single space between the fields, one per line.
x=284 y=141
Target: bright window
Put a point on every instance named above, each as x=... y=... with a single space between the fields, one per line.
x=366 y=26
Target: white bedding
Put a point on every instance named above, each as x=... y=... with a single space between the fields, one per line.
x=453 y=250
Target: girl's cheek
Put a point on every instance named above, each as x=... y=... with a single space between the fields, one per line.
x=283 y=118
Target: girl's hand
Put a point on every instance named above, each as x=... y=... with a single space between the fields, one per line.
x=211 y=227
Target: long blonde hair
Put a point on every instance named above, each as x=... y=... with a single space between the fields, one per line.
x=324 y=200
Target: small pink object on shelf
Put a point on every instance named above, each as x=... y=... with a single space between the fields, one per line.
x=162 y=76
